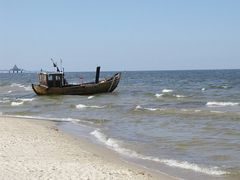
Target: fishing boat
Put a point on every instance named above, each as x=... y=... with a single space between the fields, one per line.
x=55 y=84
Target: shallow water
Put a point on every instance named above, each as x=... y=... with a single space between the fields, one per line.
x=188 y=120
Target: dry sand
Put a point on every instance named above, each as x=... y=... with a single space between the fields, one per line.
x=33 y=149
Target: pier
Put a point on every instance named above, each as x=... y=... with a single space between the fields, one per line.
x=15 y=69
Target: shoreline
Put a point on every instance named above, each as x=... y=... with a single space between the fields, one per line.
x=31 y=148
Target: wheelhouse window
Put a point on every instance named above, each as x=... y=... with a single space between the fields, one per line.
x=55 y=80
x=50 y=77
x=43 y=79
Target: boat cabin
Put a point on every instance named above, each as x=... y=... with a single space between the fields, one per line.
x=55 y=79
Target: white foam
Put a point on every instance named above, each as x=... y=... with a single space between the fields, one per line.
x=16 y=103
x=221 y=104
x=4 y=101
x=90 y=97
x=217 y=112
x=167 y=91
x=203 y=89
x=27 y=99
x=74 y=120
x=138 y=107
x=194 y=167
x=152 y=109
x=114 y=145
x=197 y=110
x=158 y=95
x=9 y=92
x=27 y=88
x=16 y=85
x=83 y=106
x=179 y=96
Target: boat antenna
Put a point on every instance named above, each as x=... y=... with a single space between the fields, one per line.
x=61 y=65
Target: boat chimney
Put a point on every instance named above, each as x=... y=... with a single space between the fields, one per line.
x=97 y=74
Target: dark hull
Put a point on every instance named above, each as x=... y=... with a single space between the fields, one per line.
x=103 y=86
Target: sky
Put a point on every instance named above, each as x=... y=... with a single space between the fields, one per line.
x=120 y=34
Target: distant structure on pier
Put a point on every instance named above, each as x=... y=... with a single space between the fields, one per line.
x=15 y=69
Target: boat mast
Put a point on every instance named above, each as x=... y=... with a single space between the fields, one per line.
x=55 y=65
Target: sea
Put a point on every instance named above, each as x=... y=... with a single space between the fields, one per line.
x=184 y=123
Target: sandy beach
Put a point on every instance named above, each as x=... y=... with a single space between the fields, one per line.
x=33 y=149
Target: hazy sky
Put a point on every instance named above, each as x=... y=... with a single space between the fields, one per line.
x=120 y=34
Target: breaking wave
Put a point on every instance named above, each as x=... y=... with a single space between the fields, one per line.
x=168 y=93
x=114 y=145
x=90 y=97
x=21 y=101
x=138 y=107
x=179 y=96
x=4 y=101
x=16 y=103
x=27 y=99
x=187 y=112
x=51 y=119
x=158 y=95
x=220 y=87
x=221 y=104
x=27 y=88
x=83 y=106
x=16 y=85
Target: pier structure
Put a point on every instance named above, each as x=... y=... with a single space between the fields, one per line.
x=15 y=69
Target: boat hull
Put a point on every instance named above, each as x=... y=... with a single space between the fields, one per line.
x=104 y=86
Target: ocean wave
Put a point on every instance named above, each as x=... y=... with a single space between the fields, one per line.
x=17 y=103
x=16 y=85
x=179 y=96
x=217 y=112
x=114 y=145
x=220 y=87
x=73 y=120
x=83 y=106
x=26 y=99
x=138 y=107
x=9 y=92
x=158 y=95
x=187 y=112
x=167 y=91
x=221 y=104
x=20 y=101
x=27 y=88
x=4 y=101
x=90 y=97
